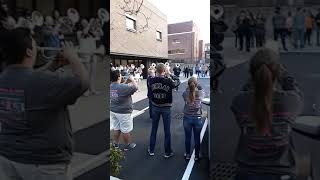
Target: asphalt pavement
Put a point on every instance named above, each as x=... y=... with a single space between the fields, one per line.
x=139 y=165
x=224 y=131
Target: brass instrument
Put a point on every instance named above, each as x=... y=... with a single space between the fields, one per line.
x=73 y=15
x=37 y=18
x=103 y=15
x=217 y=11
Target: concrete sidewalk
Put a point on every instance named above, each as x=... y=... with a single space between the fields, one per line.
x=234 y=57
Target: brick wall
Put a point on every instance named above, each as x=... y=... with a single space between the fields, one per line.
x=145 y=43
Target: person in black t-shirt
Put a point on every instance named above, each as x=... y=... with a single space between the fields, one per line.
x=35 y=133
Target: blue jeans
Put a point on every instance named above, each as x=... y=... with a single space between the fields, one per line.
x=259 y=177
x=192 y=123
x=299 y=36
x=165 y=112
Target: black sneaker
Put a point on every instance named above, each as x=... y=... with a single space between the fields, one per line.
x=150 y=153
x=130 y=146
x=115 y=145
x=197 y=158
x=168 y=155
x=187 y=156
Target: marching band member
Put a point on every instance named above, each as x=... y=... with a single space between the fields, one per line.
x=50 y=33
x=87 y=42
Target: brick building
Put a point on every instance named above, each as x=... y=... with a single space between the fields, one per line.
x=207 y=51
x=130 y=43
x=183 y=42
x=201 y=50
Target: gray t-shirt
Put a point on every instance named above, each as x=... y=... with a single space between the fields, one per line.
x=120 y=97
x=274 y=152
x=35 y=121
x=194 y=108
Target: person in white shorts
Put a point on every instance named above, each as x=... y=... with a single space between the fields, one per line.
x=121 y=108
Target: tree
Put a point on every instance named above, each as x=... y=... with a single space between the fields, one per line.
x=135 y=7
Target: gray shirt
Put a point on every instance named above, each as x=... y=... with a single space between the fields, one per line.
x=194 y=108
x=120 y=97
x=274 y=153
x=35 y=121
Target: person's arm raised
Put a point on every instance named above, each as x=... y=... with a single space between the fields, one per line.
x=70 y=54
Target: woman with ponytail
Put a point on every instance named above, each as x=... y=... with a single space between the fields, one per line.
x=265 y=110
x=192 y=119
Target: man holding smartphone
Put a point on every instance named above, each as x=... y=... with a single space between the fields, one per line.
x=35 y=133
x=121 y=108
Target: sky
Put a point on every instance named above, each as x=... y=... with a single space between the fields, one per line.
x=186 y=10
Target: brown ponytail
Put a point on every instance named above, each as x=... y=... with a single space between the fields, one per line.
x=264 y=71
x=192 y=83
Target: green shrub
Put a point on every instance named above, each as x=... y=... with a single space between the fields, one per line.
x=115 y=157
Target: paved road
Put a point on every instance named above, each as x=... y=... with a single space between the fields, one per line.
x=225 y=133
x=138 y=165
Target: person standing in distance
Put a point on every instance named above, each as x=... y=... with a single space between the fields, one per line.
x=161 y=97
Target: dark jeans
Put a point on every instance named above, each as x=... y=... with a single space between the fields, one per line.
x=165 y=112
x=150 y=109
x=282 y=33
x=247 y=36
x=299 y=37
x=318 y=36
x=260 y=39
x=192 y=123
x=308 y=36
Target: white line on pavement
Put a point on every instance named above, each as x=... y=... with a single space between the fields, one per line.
x=134 y=115
x=188 y=170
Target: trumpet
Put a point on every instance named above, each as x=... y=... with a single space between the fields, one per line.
x=48 y=49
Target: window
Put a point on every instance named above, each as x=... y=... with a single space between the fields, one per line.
x=131 y=24
x=159 y=36
x=177 y=51
x=176 y=41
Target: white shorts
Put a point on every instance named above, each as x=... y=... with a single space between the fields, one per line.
x=122 y=122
